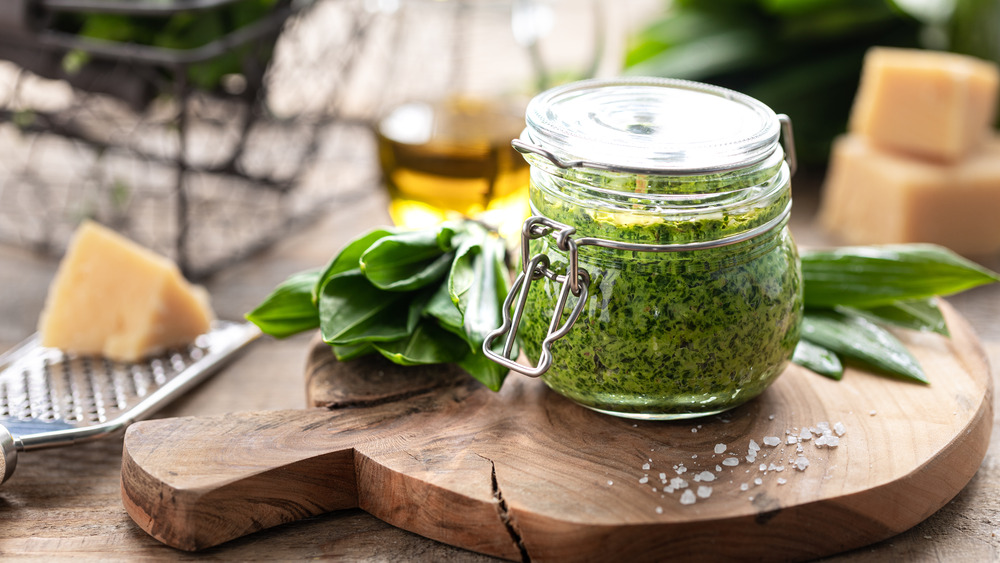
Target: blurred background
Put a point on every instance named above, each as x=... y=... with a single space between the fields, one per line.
x=207 y=129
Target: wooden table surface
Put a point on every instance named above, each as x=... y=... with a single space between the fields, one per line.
x=65 y=503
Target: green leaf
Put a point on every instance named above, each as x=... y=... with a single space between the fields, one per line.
x=352 y=310
x=442 y=308
x=289 y=308
x=485 y=370
x=921 y=314
x=860 y=339
x=481 y=305
x=345 y=353
x=428 y=344
x=871 y=276
x=818 y=359
x=410 y=260
x=349 y=258
x=461 y=277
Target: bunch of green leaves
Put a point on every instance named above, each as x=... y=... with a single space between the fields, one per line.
x=800 y=57
x=853 y=293
x=416 y=297
x=181 y=30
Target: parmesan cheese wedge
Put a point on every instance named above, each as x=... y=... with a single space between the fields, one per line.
x=114 y=298
x=933 y=105
x=874 y=196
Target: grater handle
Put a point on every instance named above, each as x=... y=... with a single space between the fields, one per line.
x=8 y=454
x=195 y=482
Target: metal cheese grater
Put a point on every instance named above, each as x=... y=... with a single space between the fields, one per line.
x=49 y=398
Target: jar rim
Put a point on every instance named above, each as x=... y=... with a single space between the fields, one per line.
x=650 y=125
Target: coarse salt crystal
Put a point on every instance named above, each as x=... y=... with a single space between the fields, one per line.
x=678 y=483
x=781 y=481
x=694 y=430
x=791 y=440
x=758 y=481
x=753 y=446
x=801 y=463
x=718 y=468
x=744 y=487
x=840 y=429
x=610 y=483
x=704 y=476
x=688 y=497
x=668 y=490
x=663 y=477
x=771 y=441
x=720 y=448
x=805 y=434
x=680 y=469
x=751 y=458
x=659 y=510
x=704 y=492
x=832 y=441
x=644 y=480
x=763 y=467
x=645 y=467
x=774 y=467
x=871 y=412
x=770 y=417
x=731 y=461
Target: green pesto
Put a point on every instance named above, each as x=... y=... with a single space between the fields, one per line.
x=668 y=334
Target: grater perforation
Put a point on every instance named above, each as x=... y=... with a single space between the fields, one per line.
x=49 y=398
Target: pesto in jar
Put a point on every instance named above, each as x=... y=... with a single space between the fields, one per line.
x=668 y=334
x=676 y=197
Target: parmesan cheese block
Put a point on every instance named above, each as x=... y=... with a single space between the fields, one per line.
x=934 y=105
x=873 y=196
x=114 y=298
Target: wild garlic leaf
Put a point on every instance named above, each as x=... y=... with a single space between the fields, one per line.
x=859 y=339
x=921 y=314
x=428 y=344
x=352 y=310
x=409 y=260
x=350 y=352
x=818 y=359
x=289 y=308
x=484 y=370
x=349 y=258
x=445 y=311
x=872 y=276
x=461 y=277
x=481 y=304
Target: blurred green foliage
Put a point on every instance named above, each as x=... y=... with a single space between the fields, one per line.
x=801 y=57
x=181 y=30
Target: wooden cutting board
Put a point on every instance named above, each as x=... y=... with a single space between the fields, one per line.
x=525 y=474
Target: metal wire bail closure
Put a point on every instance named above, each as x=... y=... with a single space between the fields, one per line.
x=576 y=281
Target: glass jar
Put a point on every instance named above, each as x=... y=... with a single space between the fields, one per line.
x=458 y=77
x=659 y=279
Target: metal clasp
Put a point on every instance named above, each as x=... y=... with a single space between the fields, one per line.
x=788 y=143
x=575 y=281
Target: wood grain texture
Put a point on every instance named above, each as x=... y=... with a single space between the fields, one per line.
x=525 y=474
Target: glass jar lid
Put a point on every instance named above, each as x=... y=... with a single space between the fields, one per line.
x=651 y=125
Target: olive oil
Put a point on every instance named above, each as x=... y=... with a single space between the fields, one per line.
x=453 y=159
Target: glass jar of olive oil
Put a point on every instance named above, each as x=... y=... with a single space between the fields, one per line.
x=659 y=279
x=459 y=77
